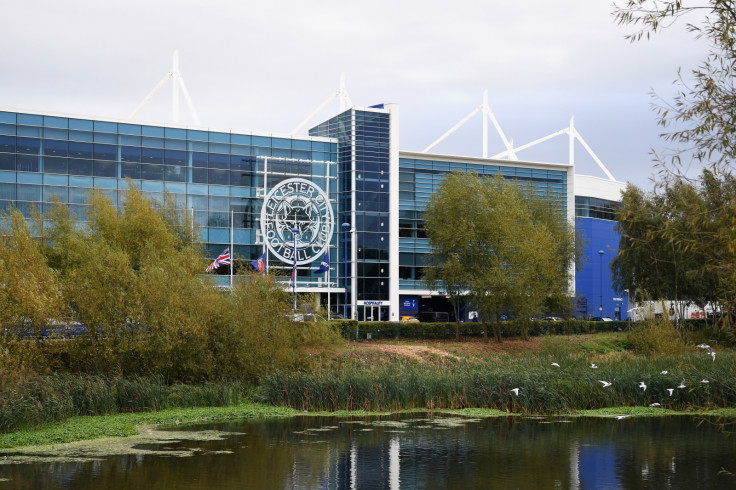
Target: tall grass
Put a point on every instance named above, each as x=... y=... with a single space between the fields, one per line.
x=543 y=388
x=27 y=399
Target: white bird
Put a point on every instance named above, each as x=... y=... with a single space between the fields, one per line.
x=705 y=381
x=606 y=384
x=555 y=364
x=670 y=390
x=642 y=385
x=593 y=366
x=713 y=355
x=664 y=372
x=515 y=391
x=682 y=383
x=704 y=346
x=619 y=417
x=655 y=405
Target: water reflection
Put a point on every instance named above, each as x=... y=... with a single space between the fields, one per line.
x=409 y=452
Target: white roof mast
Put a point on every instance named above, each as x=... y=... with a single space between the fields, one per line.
x=178 y=81
x=510 y=151
x=345 y=103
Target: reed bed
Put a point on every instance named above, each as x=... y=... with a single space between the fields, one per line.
x=29 y=400
x=543 y=388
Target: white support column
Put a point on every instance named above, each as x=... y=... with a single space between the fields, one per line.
x=393 y=217
x=486 y=115
x=175 y=92
x=571 y=132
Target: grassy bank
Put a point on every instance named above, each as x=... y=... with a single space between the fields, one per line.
x=543 y=388
x=126 y=424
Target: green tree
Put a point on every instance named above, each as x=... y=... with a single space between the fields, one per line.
x=509 y=248
x=701 y=117
x=661 y=249
x=30 y=294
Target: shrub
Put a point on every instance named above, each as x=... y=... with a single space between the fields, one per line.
x=656 y=337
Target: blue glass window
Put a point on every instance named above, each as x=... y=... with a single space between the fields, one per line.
x=7 y=161
x=152 y=142
x=7 y=144
x=29 y=192
x=152 y=155
x=175 y=133
x=218 y=177
x=27 y=163
x=55 y=148
x=133 y=129
x=152 y=172
x=29 y=146
x=105 y=152
x=175 y=157
x=175 y=173
x=81 y=124
x=104 y=168
x=195 y=135
x=240 y=139
x=30 y=120
x=153 y=131
x=7 y=192
x=175 y=144
x=130 y=140
x=55 y=122
x=55 y=165
x=105 y=138
x=7 y=117
x=219 y=137
x=81 y=136
x=199 y=175
x=80 y=167
x=261 y=141
x=217 y=160
x=51 y=192
x=130 y=154
x=80 y=150
x=199 y=159
x=9 y=129
x=241 y=178
x=106 y=127
x=131 y=170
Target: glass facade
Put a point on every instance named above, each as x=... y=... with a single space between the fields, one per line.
x=420 y=178
x=213 y=175
x=363 y=137
x=593 y=207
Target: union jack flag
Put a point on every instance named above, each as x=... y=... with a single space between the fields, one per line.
x=222 y=259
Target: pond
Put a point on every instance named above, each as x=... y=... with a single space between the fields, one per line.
x=396 y=451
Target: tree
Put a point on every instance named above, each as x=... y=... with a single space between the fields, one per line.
x=661 y=249
x=30 y=296
x=509 y=248
x=701 y=117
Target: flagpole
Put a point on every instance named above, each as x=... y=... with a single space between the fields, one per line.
x=329 y=304
x=293 y=273
x=232 y=254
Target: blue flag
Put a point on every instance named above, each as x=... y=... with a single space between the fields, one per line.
x=259 y=264
x=325 y=265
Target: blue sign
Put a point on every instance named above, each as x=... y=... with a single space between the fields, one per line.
x=409 y=303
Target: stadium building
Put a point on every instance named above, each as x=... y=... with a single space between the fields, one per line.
x=345 y=195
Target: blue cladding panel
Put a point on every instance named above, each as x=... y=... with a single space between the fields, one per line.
x=593 y=283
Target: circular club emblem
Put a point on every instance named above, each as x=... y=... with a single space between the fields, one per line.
x=297 y=203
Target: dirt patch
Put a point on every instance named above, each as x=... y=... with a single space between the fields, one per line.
x=418 y=352
x=422 y=351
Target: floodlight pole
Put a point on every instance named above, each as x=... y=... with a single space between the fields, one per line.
x=346 y=228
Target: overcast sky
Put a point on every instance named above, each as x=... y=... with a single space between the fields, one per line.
x=264 y=66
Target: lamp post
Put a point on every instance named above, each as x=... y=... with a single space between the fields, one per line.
x=346 y=228
x=600 y=282
x=294 y=231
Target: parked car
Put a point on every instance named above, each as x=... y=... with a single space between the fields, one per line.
x=409 y=319
x=552 y=318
